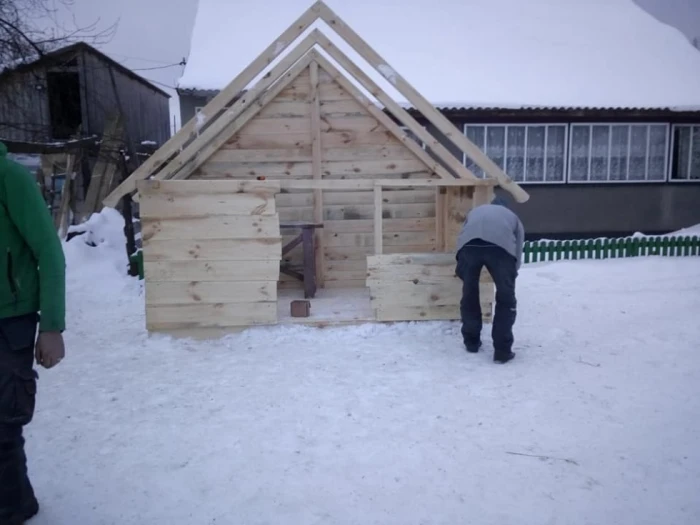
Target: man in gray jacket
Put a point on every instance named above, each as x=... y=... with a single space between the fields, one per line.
x=492 y=236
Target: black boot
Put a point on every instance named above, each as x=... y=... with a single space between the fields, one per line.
x=503 y=359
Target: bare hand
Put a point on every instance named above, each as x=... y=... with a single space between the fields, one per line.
x=50 y=349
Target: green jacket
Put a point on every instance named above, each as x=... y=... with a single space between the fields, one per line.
x=32 y=264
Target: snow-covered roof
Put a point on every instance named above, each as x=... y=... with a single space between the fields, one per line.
x=475 y=53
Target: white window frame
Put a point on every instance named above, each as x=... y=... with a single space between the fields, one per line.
x=669 y=152
x=525 y=125
x=672 y=147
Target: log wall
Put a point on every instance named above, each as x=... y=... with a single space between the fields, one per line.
x=211 y=255
x=278 y=144
x=421 y=287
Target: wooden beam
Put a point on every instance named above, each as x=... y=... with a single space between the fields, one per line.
x=384 y=119
x=401 y=114
x=217 y=104
x=106 y=165
x=63 y=219
x=440 y=218
x=378 y=227
x=316 y=167
x=250 y=104
x=421 y=104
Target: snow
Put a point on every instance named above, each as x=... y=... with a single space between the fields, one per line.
x=377 y=423
x=485 y=53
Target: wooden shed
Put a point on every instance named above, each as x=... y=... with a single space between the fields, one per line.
x=74 y=90
x=302 y=188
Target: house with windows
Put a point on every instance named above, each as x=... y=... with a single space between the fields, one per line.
x=593 y=107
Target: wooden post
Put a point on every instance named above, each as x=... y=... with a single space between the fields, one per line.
x=440 y=218
x=378 y=226
x=460 y=200
x=483 y=195
x=316 y=159
x=63 y=218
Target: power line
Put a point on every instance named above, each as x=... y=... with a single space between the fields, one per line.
x=181 y=63
x=151 y=60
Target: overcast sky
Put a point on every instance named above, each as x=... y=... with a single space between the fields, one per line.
x=156 y=33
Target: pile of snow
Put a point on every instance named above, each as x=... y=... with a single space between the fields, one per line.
x=684 y=232
x=690 y=231
x=490 y=53
x=377 y=423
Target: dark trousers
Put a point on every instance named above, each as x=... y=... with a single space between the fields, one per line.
x=18 y=381
x=503 y=268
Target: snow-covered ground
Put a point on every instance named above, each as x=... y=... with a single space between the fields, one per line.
x=595 y=421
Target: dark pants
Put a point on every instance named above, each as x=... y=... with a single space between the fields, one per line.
x=18 y=382
x=503 y=268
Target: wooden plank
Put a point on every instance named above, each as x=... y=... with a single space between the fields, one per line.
x=64 y=208
x=186 y=187
x=378 y=230
x=171 y=293
x=331 y=139
x=388 y=239
x=317 y=169
x=168 y=205
x=360 y=212
x=420 y=103
x=389 y=225
x=212 y=250
x=364 y=168
x=440 y=219
x=219 y=227
x=220 y=131
x=190 y=129
x=106 y=165
x=482 y=195
x=406 y=293
x=417 y=313
x=385 y=120
x=265 y=126
x=233 y=156
x=339 y=198
x=278 y=109
x=394 y=151
x=189 y=271
x=165 y=317
x=342 y=108
x=459 y=201
x=342 y=253
x=405 y=118
x=213 y=170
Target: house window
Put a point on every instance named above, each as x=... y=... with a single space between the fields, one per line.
x=526 y=152
x=686 y=153
x=618 y=152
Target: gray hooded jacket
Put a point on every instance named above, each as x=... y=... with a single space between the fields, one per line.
x=496 y=224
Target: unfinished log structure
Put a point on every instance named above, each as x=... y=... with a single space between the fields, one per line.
x=304 y=146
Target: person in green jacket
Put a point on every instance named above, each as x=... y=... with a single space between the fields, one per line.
x=32 y=294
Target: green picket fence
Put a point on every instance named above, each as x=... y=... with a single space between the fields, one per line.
x=541 y=251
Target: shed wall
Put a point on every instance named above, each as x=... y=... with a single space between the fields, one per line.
x=277 y=144
x=146 y=110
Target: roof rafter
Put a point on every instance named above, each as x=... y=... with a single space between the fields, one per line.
x=187 y=150
x=189 y=130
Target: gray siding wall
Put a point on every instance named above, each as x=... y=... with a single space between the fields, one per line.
x=146 y=110
x=24 y=109
x=608 y=209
